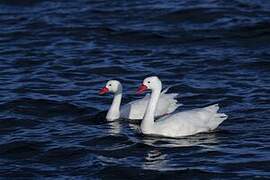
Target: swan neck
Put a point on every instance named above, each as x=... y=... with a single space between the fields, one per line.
x=114 y=111
x=149 y=116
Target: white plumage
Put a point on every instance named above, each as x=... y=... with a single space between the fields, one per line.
x=135 y=110
x=177 y=124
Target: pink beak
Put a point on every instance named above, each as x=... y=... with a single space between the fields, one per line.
x=141 y=89
x=103 y=90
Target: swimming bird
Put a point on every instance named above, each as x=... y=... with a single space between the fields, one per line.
x=166 y=103
x=179 y=124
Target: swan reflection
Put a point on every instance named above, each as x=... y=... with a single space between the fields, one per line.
x=155 y=159
x=202 y=139
x=166 y=153
x=114 y=127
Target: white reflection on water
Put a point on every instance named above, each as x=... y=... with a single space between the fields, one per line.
x=155 y=159
x=167 y=153
x=197 y=140
x=114 y=127
x=202 y=139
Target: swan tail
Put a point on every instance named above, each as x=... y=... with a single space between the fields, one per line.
x=217 y=120
x=221 y=116
x=213 y=108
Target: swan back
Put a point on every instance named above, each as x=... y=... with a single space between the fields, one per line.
x=190 y=122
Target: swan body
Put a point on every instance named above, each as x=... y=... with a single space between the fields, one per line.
x=179 y=124
x=135 y=110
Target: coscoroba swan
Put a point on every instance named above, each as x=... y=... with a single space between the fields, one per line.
x=135 y=110
x=177 y=124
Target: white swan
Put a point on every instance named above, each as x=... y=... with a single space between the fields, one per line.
x=136 y=109
x=177 y=124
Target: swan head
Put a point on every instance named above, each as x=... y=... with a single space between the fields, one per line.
x=152 y=83
x=112 y=86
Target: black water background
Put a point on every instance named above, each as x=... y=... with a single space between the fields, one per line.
x=56 y=55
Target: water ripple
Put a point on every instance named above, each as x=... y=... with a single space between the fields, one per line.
x=56 y=55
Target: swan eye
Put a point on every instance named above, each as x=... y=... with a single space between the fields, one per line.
x=148 y=82
x=110 y=85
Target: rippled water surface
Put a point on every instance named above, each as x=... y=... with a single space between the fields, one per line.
x=56 y=55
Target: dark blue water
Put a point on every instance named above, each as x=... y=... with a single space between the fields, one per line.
x=56 y=55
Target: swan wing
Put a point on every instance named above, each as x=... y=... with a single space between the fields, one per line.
x=135 y=109
x=190 y=122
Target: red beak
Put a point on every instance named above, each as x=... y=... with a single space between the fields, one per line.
x=141 y=89
x=103 y=90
